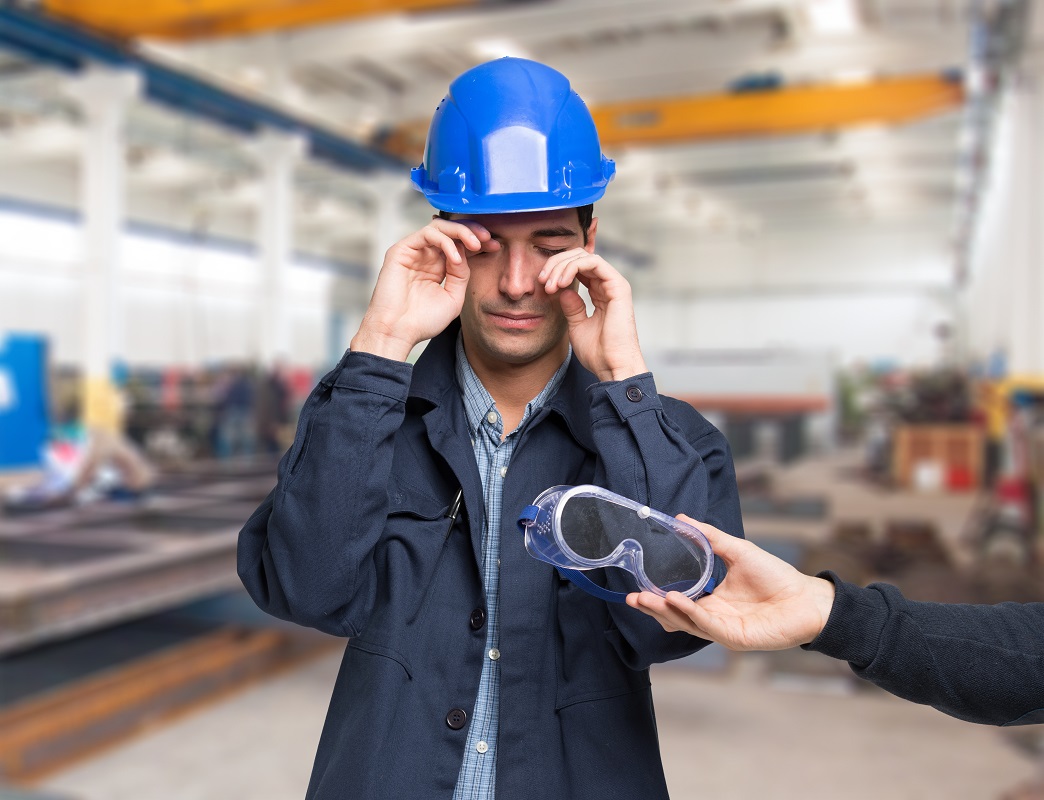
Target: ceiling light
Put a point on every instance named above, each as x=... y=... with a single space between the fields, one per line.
x=832 y=17
x=853 y=76
x=497 y=48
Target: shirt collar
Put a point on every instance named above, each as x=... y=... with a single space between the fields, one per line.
x=478 y=402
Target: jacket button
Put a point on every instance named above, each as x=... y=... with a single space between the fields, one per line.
x=478 y=619
x=456 y=718
x=634 y=394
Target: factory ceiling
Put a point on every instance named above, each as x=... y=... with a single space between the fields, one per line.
x=728 y=118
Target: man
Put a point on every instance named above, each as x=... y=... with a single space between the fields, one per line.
x=975 y=662
x=473 y=670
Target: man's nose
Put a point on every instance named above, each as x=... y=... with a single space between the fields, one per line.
x=519 y=276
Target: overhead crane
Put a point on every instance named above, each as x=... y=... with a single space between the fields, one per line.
x=766 y=109
x=187 y=20
x=776 y=111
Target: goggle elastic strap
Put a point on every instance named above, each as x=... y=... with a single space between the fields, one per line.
x=591 y=587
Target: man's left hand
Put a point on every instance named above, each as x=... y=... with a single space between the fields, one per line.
x=607 y=341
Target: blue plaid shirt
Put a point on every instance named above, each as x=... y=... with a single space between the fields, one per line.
x=478 y=772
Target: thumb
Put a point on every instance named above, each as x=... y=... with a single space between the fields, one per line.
x=457 y=275
x=573 y=307
x=724 y=545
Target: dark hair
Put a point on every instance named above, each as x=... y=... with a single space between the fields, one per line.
x=584 y=213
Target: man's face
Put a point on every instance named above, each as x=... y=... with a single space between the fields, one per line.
x=507 y=318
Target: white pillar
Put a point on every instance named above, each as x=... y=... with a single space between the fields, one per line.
x=277 y=156
x=1006 y=299
x=103 y=97
x=1026 y=287
x=388 y=193
x=987 y=295
x=193 y=314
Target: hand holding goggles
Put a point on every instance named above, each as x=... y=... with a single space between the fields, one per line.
x=576 y=528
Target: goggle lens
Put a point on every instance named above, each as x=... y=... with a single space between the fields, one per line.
x=593 y=528
x=587 y=527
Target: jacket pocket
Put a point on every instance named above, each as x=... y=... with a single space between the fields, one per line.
x=412 y=549
x=407 y=500
x=373 y=648
x=589 y=667
x=301 y=441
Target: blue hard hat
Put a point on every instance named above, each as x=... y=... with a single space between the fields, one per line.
x=511 y=135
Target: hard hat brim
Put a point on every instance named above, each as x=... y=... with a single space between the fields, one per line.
x=510 y=203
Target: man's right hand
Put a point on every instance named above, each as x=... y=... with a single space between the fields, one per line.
x=420 y=289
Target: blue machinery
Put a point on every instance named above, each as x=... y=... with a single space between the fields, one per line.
x=23 y=401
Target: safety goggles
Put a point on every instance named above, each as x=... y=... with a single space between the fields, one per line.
x=579 y=528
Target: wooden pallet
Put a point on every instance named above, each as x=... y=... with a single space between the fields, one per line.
x=953 y=449
x=48 y=732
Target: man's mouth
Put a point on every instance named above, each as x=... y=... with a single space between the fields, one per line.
x=515 y=320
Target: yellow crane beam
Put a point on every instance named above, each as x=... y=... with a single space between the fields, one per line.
x=776 y=112
x=185 y=20
x=788 y=110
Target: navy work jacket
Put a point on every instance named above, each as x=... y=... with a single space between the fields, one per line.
x=356 y=540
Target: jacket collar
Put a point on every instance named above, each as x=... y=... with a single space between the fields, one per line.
x=434 y=382
x=434 y=374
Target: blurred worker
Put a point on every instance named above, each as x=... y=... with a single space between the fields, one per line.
x=473 y=670
x=89 y=456
x=273 y=409
x=976 y=662
x=236 y=422
x=112 y=465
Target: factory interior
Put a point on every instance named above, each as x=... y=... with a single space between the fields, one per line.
x=830 y=216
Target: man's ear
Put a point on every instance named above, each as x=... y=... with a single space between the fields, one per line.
x=591 y=231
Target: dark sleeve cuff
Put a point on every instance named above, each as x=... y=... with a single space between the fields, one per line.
x=365 y=372
x=853 y=630
x=627 y=397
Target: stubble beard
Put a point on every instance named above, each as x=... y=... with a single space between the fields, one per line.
x=522 y=347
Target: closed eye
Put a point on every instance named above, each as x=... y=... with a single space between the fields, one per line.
x=548 y=252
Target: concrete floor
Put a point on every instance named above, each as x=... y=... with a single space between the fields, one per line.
x=753 y=726
x=726 y=734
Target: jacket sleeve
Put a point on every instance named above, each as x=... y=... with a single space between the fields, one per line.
x=674 y=462
x=975 y=662
x=306 y=554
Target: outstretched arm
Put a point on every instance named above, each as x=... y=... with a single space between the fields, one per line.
x=979 y=663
